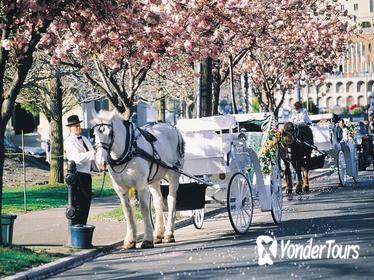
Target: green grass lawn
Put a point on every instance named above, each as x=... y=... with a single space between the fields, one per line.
x=17 y=258
x=117 y=215
x=47 y=196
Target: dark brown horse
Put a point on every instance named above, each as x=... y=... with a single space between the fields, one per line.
x=298 y=154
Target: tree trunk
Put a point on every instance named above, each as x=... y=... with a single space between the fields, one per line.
x=2 y=155
x=203 y=88
x=216 y=73
x=56 y=171
x=183 y=108
x=234 y=107
x=190 y=110
x=246 y=97
x=206 y=94
x=128 y=111
x=161 y=108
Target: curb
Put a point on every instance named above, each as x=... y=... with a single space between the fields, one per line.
x=77 y=259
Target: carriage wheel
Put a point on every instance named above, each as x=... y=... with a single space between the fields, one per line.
x=276 y=196
x=342 y=169
x=198 y=217
x=240 y=203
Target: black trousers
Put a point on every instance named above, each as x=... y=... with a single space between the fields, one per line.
x=82 y=198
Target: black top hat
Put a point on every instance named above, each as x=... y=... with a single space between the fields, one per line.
x=73 y=119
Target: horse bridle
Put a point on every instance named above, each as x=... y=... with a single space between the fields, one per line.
x=105 y=146
x=129 y=147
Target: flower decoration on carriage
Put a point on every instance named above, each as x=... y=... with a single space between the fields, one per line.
x=351 y=130
x=269 y=150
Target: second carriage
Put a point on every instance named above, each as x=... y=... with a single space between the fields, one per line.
x=222 y=166
x=341 y=155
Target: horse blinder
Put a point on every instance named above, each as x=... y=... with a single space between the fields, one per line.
x=101 y=127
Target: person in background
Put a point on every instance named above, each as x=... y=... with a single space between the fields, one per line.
x=79 y=149
x=341 y=131
x=300 y=115
x=371 y=123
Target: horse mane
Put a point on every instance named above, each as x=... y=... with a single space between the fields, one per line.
x=106 y=117
x=306 y=133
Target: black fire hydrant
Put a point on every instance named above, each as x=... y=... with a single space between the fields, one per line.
x=71 y=181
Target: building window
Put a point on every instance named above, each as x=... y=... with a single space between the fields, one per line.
x=360 y=101
x=349 y=87
x=101 y=105
x=339 y=87
x=355 y=7
x=350 y=100
x=369 y=46
x=365 y=24
x=371 y=4
x=360 y=86
x=329 y=102
x=339 y=101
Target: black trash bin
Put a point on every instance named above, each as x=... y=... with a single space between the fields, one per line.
x=81 y=236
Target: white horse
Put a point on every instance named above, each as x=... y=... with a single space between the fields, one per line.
x=115 y=143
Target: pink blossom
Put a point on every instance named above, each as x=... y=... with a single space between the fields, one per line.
x=84 y=69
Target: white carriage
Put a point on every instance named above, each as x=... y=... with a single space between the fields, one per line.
x=341 y=156
x=226 y=169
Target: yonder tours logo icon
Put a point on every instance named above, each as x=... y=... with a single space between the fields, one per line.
x=265 y=254
x=267 y=247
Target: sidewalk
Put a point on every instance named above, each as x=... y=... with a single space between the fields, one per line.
x=49 y=228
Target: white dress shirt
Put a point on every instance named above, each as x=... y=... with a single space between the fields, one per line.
x=300 y=117
x=76 y=151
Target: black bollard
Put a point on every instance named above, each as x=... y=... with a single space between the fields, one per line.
x=71 y=181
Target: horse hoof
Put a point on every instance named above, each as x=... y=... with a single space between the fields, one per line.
x=169 y=239
x=129 y=245
x=157 y=240
x=288 y=191
x=306 y=189
x=146 y=244
x=299 y=191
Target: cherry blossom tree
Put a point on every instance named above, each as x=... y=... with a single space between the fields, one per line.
x=302 y=40
x=125 y=39
x=22 y=24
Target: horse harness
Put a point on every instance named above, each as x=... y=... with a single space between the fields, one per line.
x=295 y=133
x=132 y=150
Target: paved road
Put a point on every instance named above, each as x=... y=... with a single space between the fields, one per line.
x=345 y=215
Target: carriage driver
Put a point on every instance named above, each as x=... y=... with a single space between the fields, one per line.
x=300 y=115
x=79 y=149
